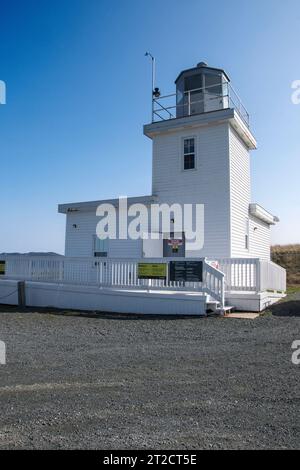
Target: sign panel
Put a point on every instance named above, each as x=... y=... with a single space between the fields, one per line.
x=2 y=268
x=186 y=271
x=174 y=246
x=152 y=271
x=174 y=243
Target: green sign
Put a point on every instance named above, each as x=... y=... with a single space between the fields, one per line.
x=152 y=271
x=2 y=268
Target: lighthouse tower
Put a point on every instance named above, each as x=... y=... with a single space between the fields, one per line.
x=201 y=155
x=201 y=147
x=202 y=142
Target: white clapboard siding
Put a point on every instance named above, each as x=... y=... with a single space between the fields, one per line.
x=208 y=184
x=79 y=239
x=240 y=196
x=220 y=182
x=260 y=239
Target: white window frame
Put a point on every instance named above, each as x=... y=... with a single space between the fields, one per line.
x=247 y=234
x=183 y=154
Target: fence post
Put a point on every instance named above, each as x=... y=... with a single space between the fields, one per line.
x=258 y=276
x=30 y=276
x=21 y=294
x=189 y=103
x=61 y=271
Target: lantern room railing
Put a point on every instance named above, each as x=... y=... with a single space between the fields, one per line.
x=197 y=101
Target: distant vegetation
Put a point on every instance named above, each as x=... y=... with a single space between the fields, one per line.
x=288 y=256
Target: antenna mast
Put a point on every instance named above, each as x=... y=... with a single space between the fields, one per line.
x=148 y=54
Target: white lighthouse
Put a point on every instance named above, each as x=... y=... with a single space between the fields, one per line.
x=201 y=150
x=201 y=141
x=201 y=155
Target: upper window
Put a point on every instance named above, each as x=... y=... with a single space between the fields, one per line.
x=192 y=83
x=100 y=247
x=247 y=230
x=189 y=160
x=213 y=84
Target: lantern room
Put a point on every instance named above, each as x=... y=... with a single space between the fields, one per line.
x=200 y=90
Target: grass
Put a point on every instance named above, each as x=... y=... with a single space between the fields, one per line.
x=286 y=248
x=288 y=256
x=293 y=289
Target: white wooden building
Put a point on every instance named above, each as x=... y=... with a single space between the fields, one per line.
x=219 y=177
x=201 y=141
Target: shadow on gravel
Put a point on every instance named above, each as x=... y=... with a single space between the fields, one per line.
x=291 y=308
x=100 y=315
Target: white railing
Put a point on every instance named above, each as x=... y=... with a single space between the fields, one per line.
x=121 y=273
x=241 y=274
x=198 y=101
x=272 y=277
x=219 y=276
x=252 y=275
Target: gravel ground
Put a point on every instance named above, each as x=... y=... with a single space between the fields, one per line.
x=109 y=382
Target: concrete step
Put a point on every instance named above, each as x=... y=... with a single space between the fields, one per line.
x=212 y=303
x=214 y=308
x=228 y=308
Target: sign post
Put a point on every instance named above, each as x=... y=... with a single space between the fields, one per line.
x=2 y=268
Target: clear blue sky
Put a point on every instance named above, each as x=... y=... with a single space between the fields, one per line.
x=78 y=95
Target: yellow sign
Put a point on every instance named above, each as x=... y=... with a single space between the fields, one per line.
x=152 y=271
x=2 y=268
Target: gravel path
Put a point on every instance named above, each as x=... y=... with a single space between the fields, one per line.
x=75 y=381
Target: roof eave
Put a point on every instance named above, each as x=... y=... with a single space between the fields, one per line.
x=89 y=206
x=219 y=116
x=203 y=68
x=260 y=213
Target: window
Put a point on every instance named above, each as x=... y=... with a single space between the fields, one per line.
x=189 y=162
x=194 y=82
x=247 y=234
x=100 y=247
x=213 y=84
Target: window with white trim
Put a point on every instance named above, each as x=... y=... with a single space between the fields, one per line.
x=189 y=154
x=247 y=231
x=100 y=247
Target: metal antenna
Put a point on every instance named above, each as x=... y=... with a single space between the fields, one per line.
x=148 y=54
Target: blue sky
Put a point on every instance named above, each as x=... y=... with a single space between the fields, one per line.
x=78 y=95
